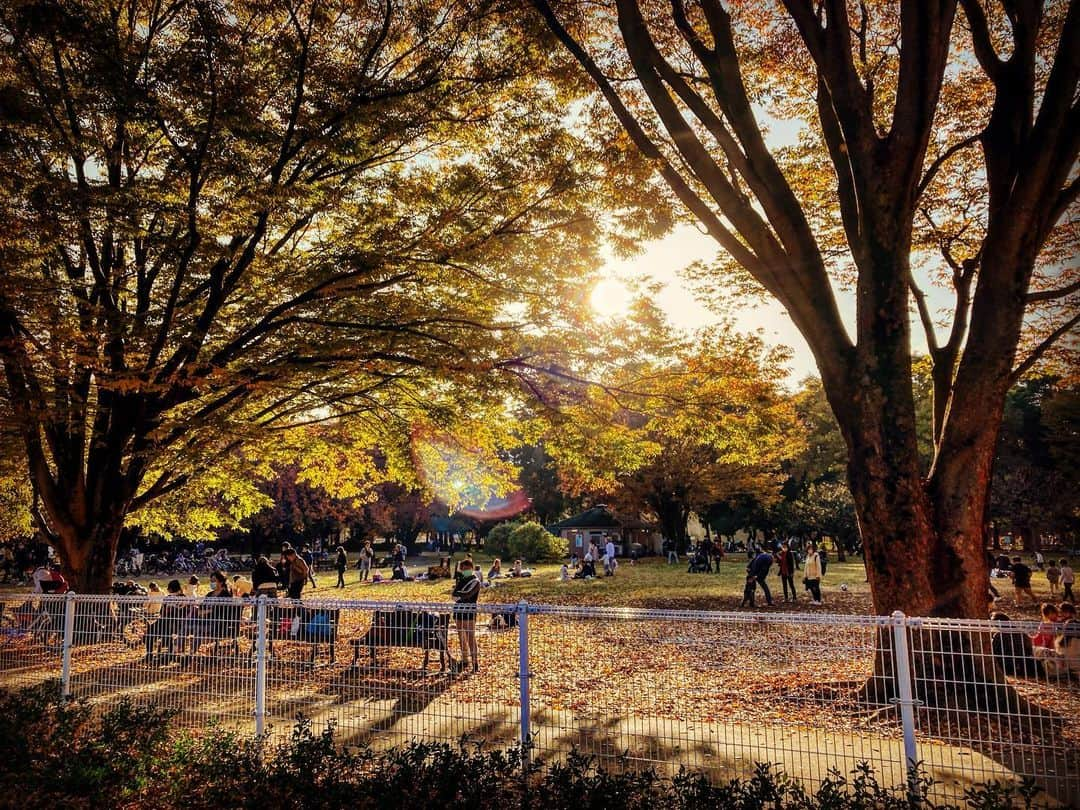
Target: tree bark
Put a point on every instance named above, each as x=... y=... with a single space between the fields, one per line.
x=88 y=555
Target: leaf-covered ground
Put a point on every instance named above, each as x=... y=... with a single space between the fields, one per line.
x=683 y=684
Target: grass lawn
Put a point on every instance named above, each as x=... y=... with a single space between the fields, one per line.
x=651 y=583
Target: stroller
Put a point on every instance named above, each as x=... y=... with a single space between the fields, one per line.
x=699 y=562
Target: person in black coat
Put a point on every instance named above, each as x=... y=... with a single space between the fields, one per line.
x=759 y=570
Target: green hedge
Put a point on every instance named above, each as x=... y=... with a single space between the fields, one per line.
x=56 y=754
x=524 y=541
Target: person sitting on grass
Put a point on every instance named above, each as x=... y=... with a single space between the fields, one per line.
x=241 y=586
x=564 y=573
x=1067 y=643
x=588 y=570
x=1013 y=650
x=496 y=569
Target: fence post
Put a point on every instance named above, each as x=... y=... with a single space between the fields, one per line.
x=69 y=637
x=260 y=665
x=905 y=697
x=523 y=678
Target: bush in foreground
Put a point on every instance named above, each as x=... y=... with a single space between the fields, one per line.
x=60 y=754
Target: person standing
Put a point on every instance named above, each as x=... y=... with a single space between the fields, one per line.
x=367 y=556
x=309 y=559
x=609 y=558
x=1040 y=560
x=341 y=564
x=297 y=571
x=466 y=593
x=813 y=574
x=785 y=562
x=1067 y=579
x=705 y=549
x=759 y=569
x=672 y=552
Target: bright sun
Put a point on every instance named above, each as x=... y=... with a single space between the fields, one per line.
x=610 y=298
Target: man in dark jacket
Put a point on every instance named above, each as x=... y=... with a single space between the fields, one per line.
x=759 y=569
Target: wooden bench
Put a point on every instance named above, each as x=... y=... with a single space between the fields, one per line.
x=406 y=628
x=307 y=625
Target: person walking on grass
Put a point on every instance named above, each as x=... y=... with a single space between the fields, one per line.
x=1067 y=579
x=341 y=563
x=1021 y=577
x=1053 y=577
x=813 y=573
x=309 y=558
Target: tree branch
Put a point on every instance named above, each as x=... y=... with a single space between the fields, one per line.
x=1038 y=352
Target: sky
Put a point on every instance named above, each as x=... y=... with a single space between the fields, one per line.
x=662 y=259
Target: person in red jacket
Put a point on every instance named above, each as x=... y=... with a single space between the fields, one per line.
x=785 y=561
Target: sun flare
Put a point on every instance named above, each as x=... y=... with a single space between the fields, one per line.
x=610 y=298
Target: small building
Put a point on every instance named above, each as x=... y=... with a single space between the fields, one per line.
x=597 y=524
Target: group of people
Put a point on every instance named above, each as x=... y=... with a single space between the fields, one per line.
x=21 y=559
x=1053 y=650
x=174 y=617
x=1057 y=573
x=787 y=562
x=584 y=567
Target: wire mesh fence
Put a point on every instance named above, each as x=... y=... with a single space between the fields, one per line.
x=971 y=701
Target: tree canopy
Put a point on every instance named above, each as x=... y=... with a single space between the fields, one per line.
x=221 y=222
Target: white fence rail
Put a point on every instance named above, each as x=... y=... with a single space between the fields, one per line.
x=710 y=691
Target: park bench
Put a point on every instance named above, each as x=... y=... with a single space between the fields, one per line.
x=219 y=622
x=313 y=626
x=401 y=627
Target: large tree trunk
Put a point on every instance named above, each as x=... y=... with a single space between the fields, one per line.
x=88 y=557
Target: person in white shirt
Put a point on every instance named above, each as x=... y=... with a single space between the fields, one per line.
x=41 y=574
x=609 y=558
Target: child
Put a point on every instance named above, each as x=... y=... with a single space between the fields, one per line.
x=1044 y=636
x=564 y=574
x=1044 y=643
x=1067 y=578
x=748 y=591
x=1053 y=576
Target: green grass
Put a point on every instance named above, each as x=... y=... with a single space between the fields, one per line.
x=650 y=583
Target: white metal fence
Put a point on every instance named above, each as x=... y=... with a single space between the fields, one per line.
x=710 y=691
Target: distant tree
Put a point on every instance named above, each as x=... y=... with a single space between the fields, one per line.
x=1036 y=472
x=671 y=438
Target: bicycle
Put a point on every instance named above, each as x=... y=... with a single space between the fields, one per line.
x=33 y=622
